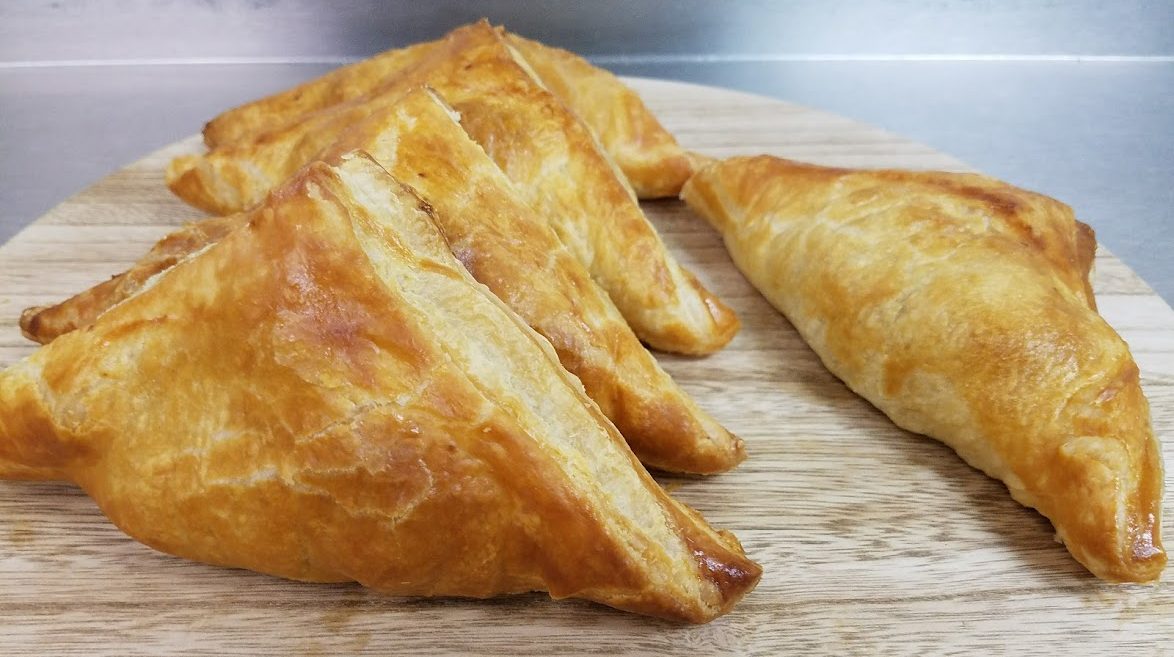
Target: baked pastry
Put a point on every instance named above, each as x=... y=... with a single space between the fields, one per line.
x=555 y=163
x=561 y=171
x=361 y=409
x=960 y=306
x=648 y=154
x=44 y=324
x=515 y=252
x=499 y=239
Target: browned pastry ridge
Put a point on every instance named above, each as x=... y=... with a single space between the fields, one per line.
x=44 y=324
x=554 y=161
x=505 y=245
x=960 y=306
x=648 y=155
x=358 y=409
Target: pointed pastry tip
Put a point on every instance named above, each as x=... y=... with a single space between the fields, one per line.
x=1117 y=537
x=1140 y=559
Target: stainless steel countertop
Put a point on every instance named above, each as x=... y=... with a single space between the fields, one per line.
x=1097 y=135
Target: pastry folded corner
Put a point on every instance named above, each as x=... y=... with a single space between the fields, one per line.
x=43 y=324
x=648 y=155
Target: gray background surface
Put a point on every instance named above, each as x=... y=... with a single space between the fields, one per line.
x=1074 y=99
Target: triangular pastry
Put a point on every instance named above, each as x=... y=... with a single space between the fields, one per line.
x=357 y=409
x=648 y=155
x=554 y=161
x=501 y=241
x=960 y=306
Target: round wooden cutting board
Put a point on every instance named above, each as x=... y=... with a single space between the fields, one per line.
x=873 y=540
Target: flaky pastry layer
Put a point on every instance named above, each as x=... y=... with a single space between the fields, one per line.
x=649 y=156
x=554 y=161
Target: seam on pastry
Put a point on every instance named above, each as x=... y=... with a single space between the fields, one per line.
x=357 y=411
x=158 y=276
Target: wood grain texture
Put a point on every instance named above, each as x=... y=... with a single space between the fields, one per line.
x=873 y=540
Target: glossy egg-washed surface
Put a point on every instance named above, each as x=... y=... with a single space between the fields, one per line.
x=960 y=306
x=554 y=160
x=44 y=324
x=652 y=161
x=340 y=414
x=648 y=155
x=515 y=252
x=500 y=240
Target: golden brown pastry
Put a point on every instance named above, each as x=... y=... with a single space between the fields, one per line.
x=44 y=324
x=357 y=409
x=960 y=306
x=252 y=120
x=514 y=252
x=503 y=243
x=647 y=154
x=554 y=161
x=561 y=171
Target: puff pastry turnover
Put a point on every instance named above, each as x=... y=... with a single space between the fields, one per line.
x=553 y=159
x=499 y=239
x=648 y=155
x=357 y=409
x=960 y=306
